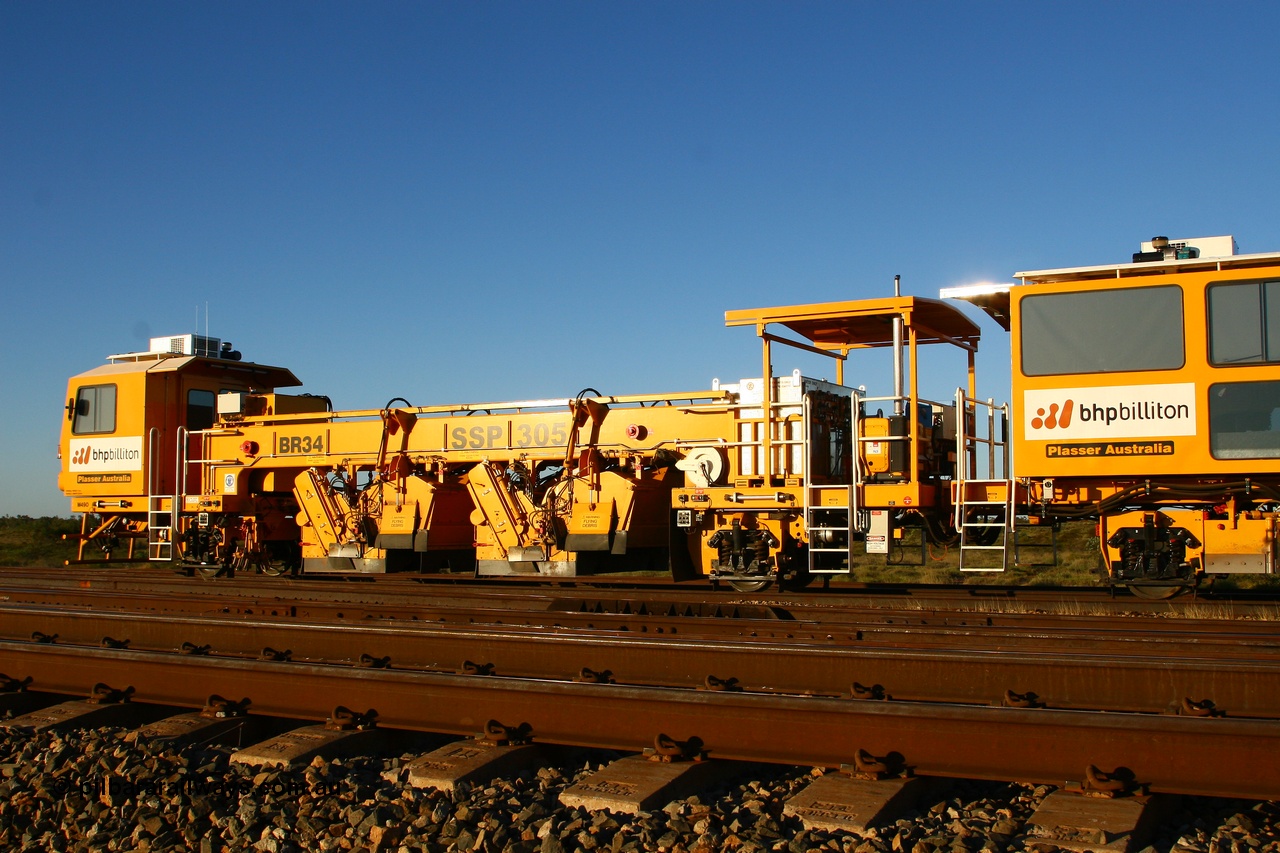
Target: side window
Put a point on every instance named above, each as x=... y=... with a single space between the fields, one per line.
x=1102 y=331
x=95 y=410
x=1244 y=420
x=1244 y=323
x=200 y=408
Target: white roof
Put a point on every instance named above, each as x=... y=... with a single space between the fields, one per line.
x=1149 y=268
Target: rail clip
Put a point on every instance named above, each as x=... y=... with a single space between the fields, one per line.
x=343 y=719
x=669 y=750
x=1118 y=783
x=499 y=735
x=104 y=694
x=873 y=767
x=219 y=707
x=14 y=685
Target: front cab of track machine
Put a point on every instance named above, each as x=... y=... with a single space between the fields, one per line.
x=126 y=432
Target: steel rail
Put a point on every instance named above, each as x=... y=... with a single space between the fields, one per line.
x=913 y=626
x=1206 y=756
x=896 y=594
x=1138 y=679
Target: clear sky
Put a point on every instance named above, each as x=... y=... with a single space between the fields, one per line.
x=475 y=201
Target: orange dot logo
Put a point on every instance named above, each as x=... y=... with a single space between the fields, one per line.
x=1057 y=417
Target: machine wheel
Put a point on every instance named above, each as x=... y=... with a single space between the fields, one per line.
x=1153 y=592
x=275 y=567
x=279 y=559
x=750 y=585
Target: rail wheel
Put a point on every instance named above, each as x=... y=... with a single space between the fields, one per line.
x=279 y=559
x=751 y=585
x=1155 y=592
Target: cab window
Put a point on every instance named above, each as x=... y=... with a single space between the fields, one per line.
x=1244 y=323
x=200 y=405
x=1244 y=420
x=1102 y=331
x=95 y=410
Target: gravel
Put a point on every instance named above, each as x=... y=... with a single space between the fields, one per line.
x=95 y=790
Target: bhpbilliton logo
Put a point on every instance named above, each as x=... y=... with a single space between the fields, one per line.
x=1056 y=419
x=81 y=456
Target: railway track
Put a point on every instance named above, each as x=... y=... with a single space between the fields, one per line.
x=410 y=588
x=1186 y=705
x=1201 y=755
x=1157 y=675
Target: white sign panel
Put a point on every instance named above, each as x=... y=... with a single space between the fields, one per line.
x=1117 y=411
x=108 y=453
x=878 y=534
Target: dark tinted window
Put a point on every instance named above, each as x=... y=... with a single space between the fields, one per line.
x=1102 y=331
x=1244 y=323
x=200 y=409
x=1244 y=420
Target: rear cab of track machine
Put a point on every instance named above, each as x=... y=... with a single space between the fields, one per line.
x=1148 y=396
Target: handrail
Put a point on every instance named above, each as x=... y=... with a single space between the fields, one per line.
x=514 y=407
x=153 y=441
x=180 y=473
x=966 y=444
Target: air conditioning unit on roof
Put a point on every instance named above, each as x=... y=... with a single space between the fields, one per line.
x=187 y=345
x=1206 y=247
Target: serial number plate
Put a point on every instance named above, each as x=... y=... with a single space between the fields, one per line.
x=300 y=444
x=542 y=433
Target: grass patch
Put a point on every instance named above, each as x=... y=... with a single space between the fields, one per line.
x=26 y=541
x=1078 y=561
x=1256 y=583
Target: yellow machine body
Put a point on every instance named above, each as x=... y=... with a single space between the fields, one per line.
x=1145 y=397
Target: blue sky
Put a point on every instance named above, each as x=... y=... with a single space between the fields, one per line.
x=481 y=201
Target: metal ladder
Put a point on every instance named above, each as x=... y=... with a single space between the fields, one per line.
x=834 y=520
x=163 y=510
x=995 y=493
x=989 y=498
x=832 y=524
x=160 y=527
